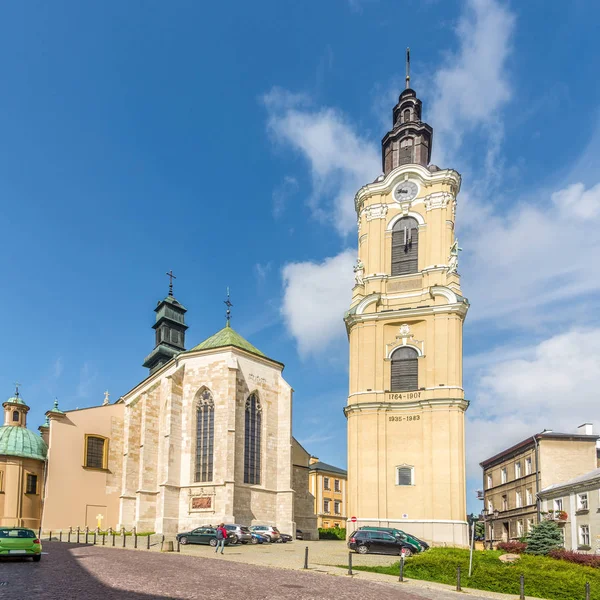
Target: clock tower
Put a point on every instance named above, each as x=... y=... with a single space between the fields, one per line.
x=406 y=404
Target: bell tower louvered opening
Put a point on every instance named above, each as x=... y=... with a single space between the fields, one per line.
x=405 y=370
x=405 y=246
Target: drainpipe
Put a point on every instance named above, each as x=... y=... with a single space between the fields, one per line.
x=537 y=479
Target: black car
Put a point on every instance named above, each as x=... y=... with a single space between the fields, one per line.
x=284 y=537
x=201 y=535
x=299 y=534
x=379 y=542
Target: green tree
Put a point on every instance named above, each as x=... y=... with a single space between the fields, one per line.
x=544 y=537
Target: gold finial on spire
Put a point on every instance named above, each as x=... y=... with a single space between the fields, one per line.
x=407 y=68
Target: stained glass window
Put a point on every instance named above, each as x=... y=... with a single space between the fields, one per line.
x=252 y=440
x=205 y=437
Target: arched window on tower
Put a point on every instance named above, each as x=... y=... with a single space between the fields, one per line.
x=405 y=370
x=405 y=246
x=15 y=415
x=205 y=436
x=252 y=440
x=406 y=117
x=405 y=152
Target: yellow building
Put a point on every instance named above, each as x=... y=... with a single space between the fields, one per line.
x=328 y=485
x=22 y=467
x=406 y=404
x=514 y=478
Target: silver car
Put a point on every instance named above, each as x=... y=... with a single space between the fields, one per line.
x=242 y=534
x=271 y=533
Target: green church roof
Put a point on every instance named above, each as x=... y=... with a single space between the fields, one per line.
x=227 y=337
x=55 y=409
x=16 y=400
x=18 y=441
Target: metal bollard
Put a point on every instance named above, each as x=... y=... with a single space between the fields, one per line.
x=135 y=539
x=78 y=532
x=178 y=545
x=147 y=542
x=306 y=557
x=69 y=536
x=113 y=536
x=60 y=536
x=103 y=537
x=349 y=563
x=458 y=588
x=401 y=568
x=124 y=538
x=40 y=533
x=587 y=591
x=522 y=587
x=94 y=538
x=87 y=533
x=50 y=536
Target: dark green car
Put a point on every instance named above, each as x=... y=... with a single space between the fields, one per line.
x=419 y=545
x=200 y=535
x=19 y=541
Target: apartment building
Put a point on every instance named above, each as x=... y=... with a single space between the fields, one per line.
x=575 y=504
x=513 y=478
x=328 y=486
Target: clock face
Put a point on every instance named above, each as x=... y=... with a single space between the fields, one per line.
x=407 y=190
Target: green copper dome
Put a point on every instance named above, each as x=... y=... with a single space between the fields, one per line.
x=18 y=441
x=227 y=337
x=16 y=400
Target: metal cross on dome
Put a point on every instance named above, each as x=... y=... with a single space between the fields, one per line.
x=171 y=277
x=17 y=384
x=228 y=304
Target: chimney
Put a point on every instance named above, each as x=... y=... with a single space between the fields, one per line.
x=586 y=429
x=312 y=460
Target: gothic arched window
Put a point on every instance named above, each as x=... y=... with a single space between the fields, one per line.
x=405 y=370
x=205 y=436
x=252 y=440
x=405 y=246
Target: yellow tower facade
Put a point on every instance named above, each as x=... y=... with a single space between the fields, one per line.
x=406 y=404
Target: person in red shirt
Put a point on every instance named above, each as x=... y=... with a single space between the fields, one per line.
x=221 y=537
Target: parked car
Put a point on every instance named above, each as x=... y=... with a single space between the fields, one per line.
x=380 y=542
x=284 y=538
x=257 y=538
x=419 y=545
x=299 y=534
x=19 y=541
x=272 y=533
x=240 y=532
x=201 y=535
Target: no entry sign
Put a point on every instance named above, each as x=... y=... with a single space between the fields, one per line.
x=353 y=519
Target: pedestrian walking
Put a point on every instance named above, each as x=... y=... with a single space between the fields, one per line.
x=221 y=537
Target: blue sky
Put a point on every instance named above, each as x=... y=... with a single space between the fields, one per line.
x=226 y=142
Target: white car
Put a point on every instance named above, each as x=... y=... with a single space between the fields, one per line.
x=272 y=533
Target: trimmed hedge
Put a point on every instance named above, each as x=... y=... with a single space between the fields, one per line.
x=512 y=547
x=589 y=560
x=332 y=533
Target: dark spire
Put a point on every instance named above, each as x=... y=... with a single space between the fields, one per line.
x=17 y=384
x=228 y=304
x=410 y=139
x=170 y=330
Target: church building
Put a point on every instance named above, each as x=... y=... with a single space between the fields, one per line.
x=205 y=438
x=406 y=404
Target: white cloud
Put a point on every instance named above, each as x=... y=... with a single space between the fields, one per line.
x=554 y=385
x=341 y=161
x=262 y=271
x=473 y=84
x=316 y=295
x=534 y=257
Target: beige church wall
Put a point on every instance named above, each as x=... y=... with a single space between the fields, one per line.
x=18 y=509
x=74 y=493
x=304 y=502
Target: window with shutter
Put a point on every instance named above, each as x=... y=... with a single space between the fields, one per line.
x=405 y=370
x=404 y=475
x=405 y=246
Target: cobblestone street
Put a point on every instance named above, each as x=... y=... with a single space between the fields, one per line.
x=70 y=571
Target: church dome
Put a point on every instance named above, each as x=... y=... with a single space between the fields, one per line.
x=16 y=400
x=19 y=441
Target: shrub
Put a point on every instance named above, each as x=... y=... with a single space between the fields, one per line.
x=589 y=560
x=332 y=533
x=544 y=536
x=512 y=547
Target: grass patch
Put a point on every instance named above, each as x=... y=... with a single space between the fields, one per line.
x=544 y=577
